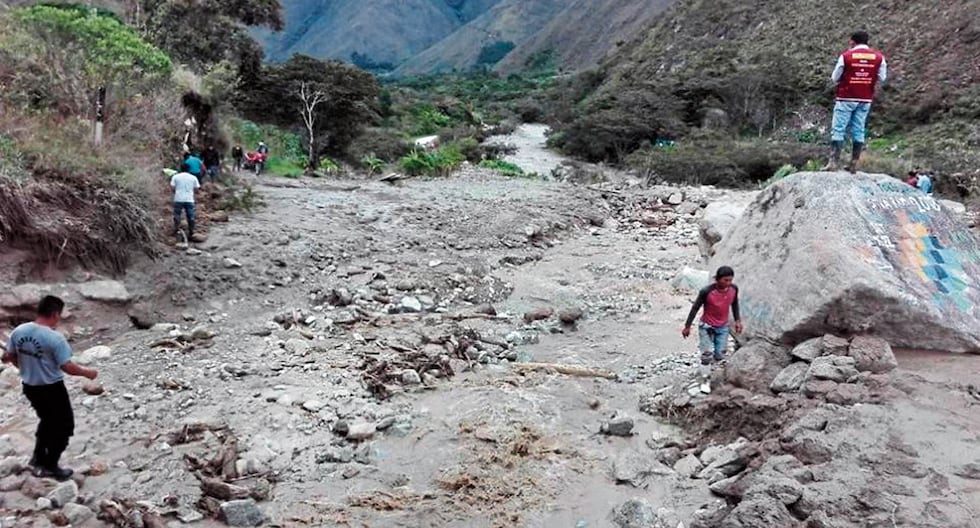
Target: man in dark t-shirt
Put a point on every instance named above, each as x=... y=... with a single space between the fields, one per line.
x=718 y=299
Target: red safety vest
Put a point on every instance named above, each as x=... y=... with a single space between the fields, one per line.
x=860 y=76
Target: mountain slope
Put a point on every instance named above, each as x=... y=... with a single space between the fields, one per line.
x=510 y=23
x=379 y=32
x=585 y=32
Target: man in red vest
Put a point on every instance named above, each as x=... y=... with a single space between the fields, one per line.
x=858 y=72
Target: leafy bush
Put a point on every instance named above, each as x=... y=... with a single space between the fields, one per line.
x=440 y=162
x=383 y=143
x=503 y=167
x=728 y=163
x=374 y=165
x=428 y=120
x=494 y=52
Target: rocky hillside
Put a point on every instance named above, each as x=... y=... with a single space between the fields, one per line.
x=426 y=36
x=576 y=38
x=379 y=33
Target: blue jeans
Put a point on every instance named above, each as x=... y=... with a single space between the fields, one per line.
x=850 y=114
x=713 y=341
x=213 y=173
x=188 y=208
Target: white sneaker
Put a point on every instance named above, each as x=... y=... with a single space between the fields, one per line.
x=706 y=387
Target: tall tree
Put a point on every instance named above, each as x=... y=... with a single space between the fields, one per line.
x=311 y=97
x=204 y=32
x=350 y=99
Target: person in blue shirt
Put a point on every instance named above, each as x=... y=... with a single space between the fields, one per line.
x=195 y=164
x=43 y=357
x=924 y=183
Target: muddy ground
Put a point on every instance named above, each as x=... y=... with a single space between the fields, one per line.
x=298 y=322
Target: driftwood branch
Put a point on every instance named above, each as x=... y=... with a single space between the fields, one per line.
x=568 y=370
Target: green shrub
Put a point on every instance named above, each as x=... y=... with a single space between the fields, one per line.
x=374 y=165
x=383 y=143
x=428 y=120
x=440 y=162
x=503 y=167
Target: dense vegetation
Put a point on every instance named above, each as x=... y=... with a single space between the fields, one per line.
x=716 y=77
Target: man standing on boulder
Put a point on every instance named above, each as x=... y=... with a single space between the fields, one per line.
x=44 y=357
x=858 y=72
x=718 y=299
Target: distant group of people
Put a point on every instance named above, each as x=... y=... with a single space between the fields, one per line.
x=921 y=180
x=195 y=168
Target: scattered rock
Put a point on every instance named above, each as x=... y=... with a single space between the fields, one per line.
x=340 y=297
x=635 y=513
x=10 y=465
x=687 y=208
x=486 y=309
x=12 y=482
x=834 y=346
x=619 y=425
x=63 y=493
x=296 y=346
x=818 y=388
x=244 y=513
x=335 y=455
x=756 y=365
x=791 y=378
x=570 y=316
x=688 y=466
x=410 y=377
x=43 y=504
x=634 y=469
x=96 y=353
x=969 y=471
x=759 y=512
x=848 y=394
x=110 y=291
x=691 y=280
x=142 y=318
x=675 y=199
x=93 y=388
x=538 y=314
x=219 y=216
x=77 y=514
x=808 y=350
x=785 y=489
x=313 y=405
x=872 y=354
x=361 y=431
x=410 y=305
x=231 y=263
x=833 y=368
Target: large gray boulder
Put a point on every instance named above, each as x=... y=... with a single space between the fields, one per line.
x=820 y=253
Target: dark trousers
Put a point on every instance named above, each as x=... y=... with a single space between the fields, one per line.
x=181 y=208
x=57 y=422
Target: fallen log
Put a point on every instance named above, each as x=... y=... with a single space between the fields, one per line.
x=568 y=370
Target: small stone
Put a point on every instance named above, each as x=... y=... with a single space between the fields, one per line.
x=340 y=297
x=385 y=423
x=231 y=263
x=77 y=514
x=818 y=388
x=791 y=378
x=202 y=333
x=10 y=466
x=341 y=427
x=833 y=368
x=142 y=318
x=848 y=394
x=110 y=291
x=570 y=315
x=809 y=350
x=64 y=493
x=361 y=431
x=219 y=216
x=335 y=455
x=313 y=405
x=834 y=346
x=538 y=314
x=486 y=309
x=189 y=516
x=688 y=466
x=296 y=346
x=93 y=388
x=96 y=353
x=635 y=513
x=969 y=471
x=619 y=425
x=244 y=513
x=12 y=483
x=43 y=503
x=675 y=199
x=410 y=377
x=872 y=354
x=410 y=305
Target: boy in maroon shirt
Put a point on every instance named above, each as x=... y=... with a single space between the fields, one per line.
x=717 y=299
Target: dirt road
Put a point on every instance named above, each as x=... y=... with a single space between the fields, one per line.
x=355 y=305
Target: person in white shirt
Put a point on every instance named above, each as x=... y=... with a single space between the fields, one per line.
x=184 y=184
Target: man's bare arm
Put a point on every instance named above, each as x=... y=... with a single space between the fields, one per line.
x=73 y=369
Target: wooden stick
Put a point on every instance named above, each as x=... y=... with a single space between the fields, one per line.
x=569 y=370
